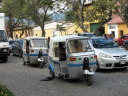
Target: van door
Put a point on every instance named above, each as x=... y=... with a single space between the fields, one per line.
x=26 y=50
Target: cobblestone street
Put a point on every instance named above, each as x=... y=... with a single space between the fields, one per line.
x=25 y=81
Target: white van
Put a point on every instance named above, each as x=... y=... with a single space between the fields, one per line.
x=4 y=44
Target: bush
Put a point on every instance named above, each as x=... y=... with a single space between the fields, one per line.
x=4 y=91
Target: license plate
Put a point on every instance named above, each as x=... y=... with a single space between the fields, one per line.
x=122 y=62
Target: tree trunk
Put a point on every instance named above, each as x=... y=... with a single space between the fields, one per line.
x=10 y=26
x=22 y=29
x=43 y=31
x=81 y=18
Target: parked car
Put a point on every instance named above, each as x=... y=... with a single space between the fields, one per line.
x=17 y=48
x=10 y=45
x=85 y=34
x=109 y=54
x=120 y=41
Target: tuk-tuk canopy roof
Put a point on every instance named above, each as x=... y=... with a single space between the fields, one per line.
x=64 y=38
x=34 y=37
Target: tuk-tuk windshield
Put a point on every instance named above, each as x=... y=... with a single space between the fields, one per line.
x=75 y=46
x=38 y=43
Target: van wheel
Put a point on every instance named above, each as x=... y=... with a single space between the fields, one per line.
x=5 y=59
x=51 y=74
x=13 y=53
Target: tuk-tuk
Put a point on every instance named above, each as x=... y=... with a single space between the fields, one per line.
x=71 y=57
x=35 y=51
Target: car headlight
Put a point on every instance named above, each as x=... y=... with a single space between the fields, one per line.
x=104 y=55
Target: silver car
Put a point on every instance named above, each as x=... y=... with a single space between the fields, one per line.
x=109 y=55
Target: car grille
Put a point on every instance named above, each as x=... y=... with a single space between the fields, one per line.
x=120 y=57
x=120 y=65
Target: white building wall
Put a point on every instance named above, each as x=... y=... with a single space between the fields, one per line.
x=113 y=27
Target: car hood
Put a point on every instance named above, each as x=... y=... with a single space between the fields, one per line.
x=112 y=51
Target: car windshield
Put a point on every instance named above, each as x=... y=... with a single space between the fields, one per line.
x=38 y=43
x=103 y=43
x=89 y=35
x=11 y=42
x=21 y=42
x=76 y=46
x=3 y=36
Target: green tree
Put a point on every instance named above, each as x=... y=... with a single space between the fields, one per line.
x=42 y=10
x=122 y=11
x=14 y=11
x=76 y=12
x=101 y=11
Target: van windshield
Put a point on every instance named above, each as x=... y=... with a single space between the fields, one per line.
x=76 y=46
x=38 y=43
x=3 y=36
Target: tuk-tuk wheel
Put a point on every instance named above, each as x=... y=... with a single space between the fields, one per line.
x=89 y=80
x=41 y=65
x=52 y=75
x=97 y=66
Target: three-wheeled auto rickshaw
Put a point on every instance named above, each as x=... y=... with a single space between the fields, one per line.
x=35 y=51
x=71 y=57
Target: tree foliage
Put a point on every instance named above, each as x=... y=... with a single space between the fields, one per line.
x=76 y=12
x=101 y=11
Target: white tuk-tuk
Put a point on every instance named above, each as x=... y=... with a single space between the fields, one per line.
x=35 y=51
x=71 y=57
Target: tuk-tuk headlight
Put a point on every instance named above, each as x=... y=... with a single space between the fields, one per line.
x=72 y=59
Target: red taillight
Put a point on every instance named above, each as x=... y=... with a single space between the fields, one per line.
x=8 y=50
x=72 y=59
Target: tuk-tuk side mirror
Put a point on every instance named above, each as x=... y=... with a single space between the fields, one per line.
x=27 y=46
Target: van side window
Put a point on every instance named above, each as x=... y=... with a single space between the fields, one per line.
x=62 y=51
x=55 y=51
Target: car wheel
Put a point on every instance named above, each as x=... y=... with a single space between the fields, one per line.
x=97 y=66
x=5 y=59
x=20 y=54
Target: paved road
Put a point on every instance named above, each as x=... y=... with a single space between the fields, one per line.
x=25 y=81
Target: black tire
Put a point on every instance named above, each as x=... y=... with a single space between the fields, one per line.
x=20 y=55
x=97 y=66
x=52 y=75
x=89 y=80
x=5 y=59
x=41 y=65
